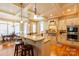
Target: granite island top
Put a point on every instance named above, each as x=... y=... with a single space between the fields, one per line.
x=41 y=44
x=35 y=38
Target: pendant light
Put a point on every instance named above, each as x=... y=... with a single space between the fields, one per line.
x=35 y=15
x=21 y=13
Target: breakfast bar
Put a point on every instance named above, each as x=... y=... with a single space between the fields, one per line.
x=41 y=44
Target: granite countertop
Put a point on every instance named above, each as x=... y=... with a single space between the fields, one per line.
x=35 y=38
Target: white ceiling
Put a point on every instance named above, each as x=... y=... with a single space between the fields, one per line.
x=12 y=11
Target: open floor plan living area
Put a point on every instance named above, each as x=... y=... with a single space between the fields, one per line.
x=39 y=29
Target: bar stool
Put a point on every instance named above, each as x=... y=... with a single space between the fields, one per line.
x=27 y=50
x=18 y=48
x=23 y=50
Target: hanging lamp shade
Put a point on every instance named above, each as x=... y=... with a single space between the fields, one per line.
x=35 y=15
x=21 y=12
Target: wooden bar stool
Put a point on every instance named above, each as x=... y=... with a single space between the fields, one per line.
x=18 y=48
x=27 y=50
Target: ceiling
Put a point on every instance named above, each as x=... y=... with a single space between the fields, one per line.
x=12 y=11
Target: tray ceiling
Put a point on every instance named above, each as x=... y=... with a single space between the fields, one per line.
x=12 y=11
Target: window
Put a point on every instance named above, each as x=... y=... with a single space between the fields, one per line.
x=17 y=28
x=3 y=29
x=34 y=27
x=25 y=28
x=41 y=26
x=10 y=28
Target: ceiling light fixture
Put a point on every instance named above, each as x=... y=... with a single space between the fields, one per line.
x=21 y=13
x=35 y=15
x=21 y=21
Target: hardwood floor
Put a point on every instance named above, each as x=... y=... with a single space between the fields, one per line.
x=7 y=49
x=65 y=50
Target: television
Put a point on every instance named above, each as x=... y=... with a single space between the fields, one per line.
x=72 y=29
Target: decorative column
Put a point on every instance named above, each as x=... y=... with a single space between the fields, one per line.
x=30 y=28
x=37 y=27
x=21 y=29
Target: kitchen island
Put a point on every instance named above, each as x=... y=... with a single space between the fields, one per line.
x=41 y=44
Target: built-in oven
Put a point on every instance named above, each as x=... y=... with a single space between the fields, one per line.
x=73 y=33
